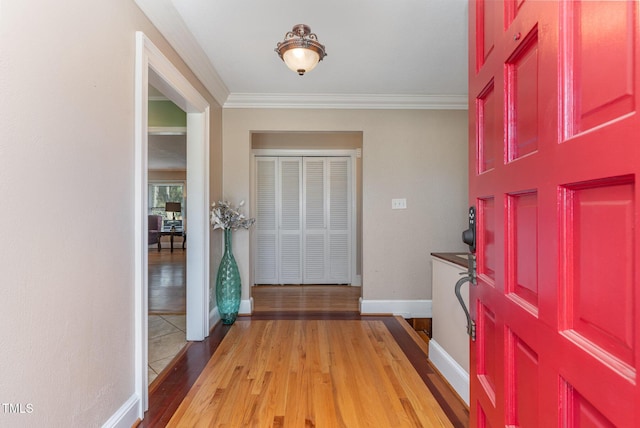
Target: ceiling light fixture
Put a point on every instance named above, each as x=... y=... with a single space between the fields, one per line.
x=300 y=49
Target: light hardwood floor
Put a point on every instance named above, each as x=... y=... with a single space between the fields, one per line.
x=305 y=358
x=167 y=307
x=309 y=373
x=167 y=281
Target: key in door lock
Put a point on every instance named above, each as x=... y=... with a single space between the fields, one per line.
x=469 y=235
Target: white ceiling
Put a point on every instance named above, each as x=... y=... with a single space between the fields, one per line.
x=380 y=53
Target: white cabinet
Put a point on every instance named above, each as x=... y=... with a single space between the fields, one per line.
x=303 y=212
x=449 y=347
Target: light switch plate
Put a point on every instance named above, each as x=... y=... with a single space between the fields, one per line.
x=399 y=204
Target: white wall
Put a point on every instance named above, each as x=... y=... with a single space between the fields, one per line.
x=420 y=155
x=66 y=177
x=449 y=345
x=449 y=321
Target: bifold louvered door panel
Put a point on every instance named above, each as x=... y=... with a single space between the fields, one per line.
x=290 y=224
x=339 y=231
x=278 y=216
x=327 y=220
x=304 y=220
x=266 y=221
x=315 y=221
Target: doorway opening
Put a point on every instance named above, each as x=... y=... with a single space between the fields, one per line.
x=154 y=69
x=311 y=183
x=167 y=180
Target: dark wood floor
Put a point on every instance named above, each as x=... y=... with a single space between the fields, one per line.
x=169 y=390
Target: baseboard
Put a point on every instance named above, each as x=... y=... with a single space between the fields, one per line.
x=453 y=372
x=214 y=317
x=404 y=308
x=246 y=308
x=127 y=415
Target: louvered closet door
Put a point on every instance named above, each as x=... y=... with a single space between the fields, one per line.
x=290 y=220
x=326 y=216
x=339 y=231
x=266 y=221
x=303 y=220
x=315 y=222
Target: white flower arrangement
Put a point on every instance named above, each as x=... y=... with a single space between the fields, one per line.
x=224 y=216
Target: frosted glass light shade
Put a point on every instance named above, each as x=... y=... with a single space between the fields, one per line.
x=300 y=49
x=301 y=60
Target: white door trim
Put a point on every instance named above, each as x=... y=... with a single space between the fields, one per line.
x=152 y=67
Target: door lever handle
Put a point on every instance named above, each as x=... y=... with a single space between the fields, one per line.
x=471 y=325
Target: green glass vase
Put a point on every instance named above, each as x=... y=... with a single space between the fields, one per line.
x=228 y=286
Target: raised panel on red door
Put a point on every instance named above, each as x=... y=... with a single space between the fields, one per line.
x=599 y=324
x=554 y=158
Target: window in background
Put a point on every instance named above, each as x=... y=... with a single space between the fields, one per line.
x=161 y=193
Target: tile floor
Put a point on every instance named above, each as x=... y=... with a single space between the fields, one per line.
x=167 y=336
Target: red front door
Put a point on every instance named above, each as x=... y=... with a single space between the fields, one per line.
x=554 y=157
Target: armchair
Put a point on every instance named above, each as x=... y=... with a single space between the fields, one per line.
x=155 y=226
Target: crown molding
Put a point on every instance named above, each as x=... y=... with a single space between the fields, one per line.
x=347 y=101
x=167 y=20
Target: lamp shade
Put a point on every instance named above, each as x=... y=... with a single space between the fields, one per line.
x=300 y=49
x=300 y=59
x=173 y=207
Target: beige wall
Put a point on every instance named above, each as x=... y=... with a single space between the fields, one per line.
x=307 y=140
x=420 y=155
x=66 y=169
